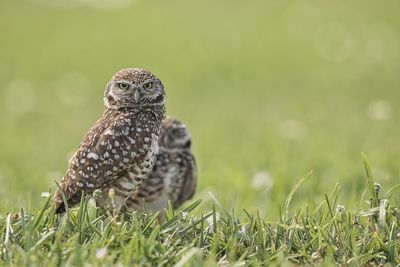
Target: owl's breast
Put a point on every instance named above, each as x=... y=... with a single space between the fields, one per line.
x=137 y=173
x=149 y=159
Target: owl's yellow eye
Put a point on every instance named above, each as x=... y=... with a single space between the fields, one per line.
x=148 y=85
x=123 y=86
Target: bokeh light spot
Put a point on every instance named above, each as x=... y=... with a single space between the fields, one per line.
x=20 y=98
x=379 y=110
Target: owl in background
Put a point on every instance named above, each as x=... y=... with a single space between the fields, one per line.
x=174 y=175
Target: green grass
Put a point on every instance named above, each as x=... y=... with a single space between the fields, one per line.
x=326 y=234
x=269 y=90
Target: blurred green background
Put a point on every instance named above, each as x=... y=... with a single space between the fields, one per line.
x=268 y=89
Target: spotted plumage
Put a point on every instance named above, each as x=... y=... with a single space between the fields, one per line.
x=174 y=175
x=122 y=145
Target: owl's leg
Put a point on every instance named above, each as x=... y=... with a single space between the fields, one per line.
x=112 y=200
x=140 y=205
x=161 y=217
x=156 y=203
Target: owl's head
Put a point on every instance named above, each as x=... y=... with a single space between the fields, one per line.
x=174 y=135
x=134 y=87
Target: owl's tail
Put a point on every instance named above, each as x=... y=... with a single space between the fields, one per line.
x=58 y=200
x=60 y=209
x=71 y=197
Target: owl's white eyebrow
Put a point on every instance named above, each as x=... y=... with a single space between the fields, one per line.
x=146 y=81
x=122 y=81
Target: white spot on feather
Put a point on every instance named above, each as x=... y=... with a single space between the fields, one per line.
x=109 y=132
x=93 y=156
x=127 y=184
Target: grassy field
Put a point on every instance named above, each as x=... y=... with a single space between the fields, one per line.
x=270 y=91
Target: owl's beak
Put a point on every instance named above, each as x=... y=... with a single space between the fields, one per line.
x=136 y=95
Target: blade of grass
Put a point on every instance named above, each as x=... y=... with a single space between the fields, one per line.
x=291 y=193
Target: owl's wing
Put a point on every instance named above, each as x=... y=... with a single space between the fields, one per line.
x=102 y=158
x=189 y=182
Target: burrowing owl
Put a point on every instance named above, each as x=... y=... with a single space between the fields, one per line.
x=174 y=175
x=121 y=147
